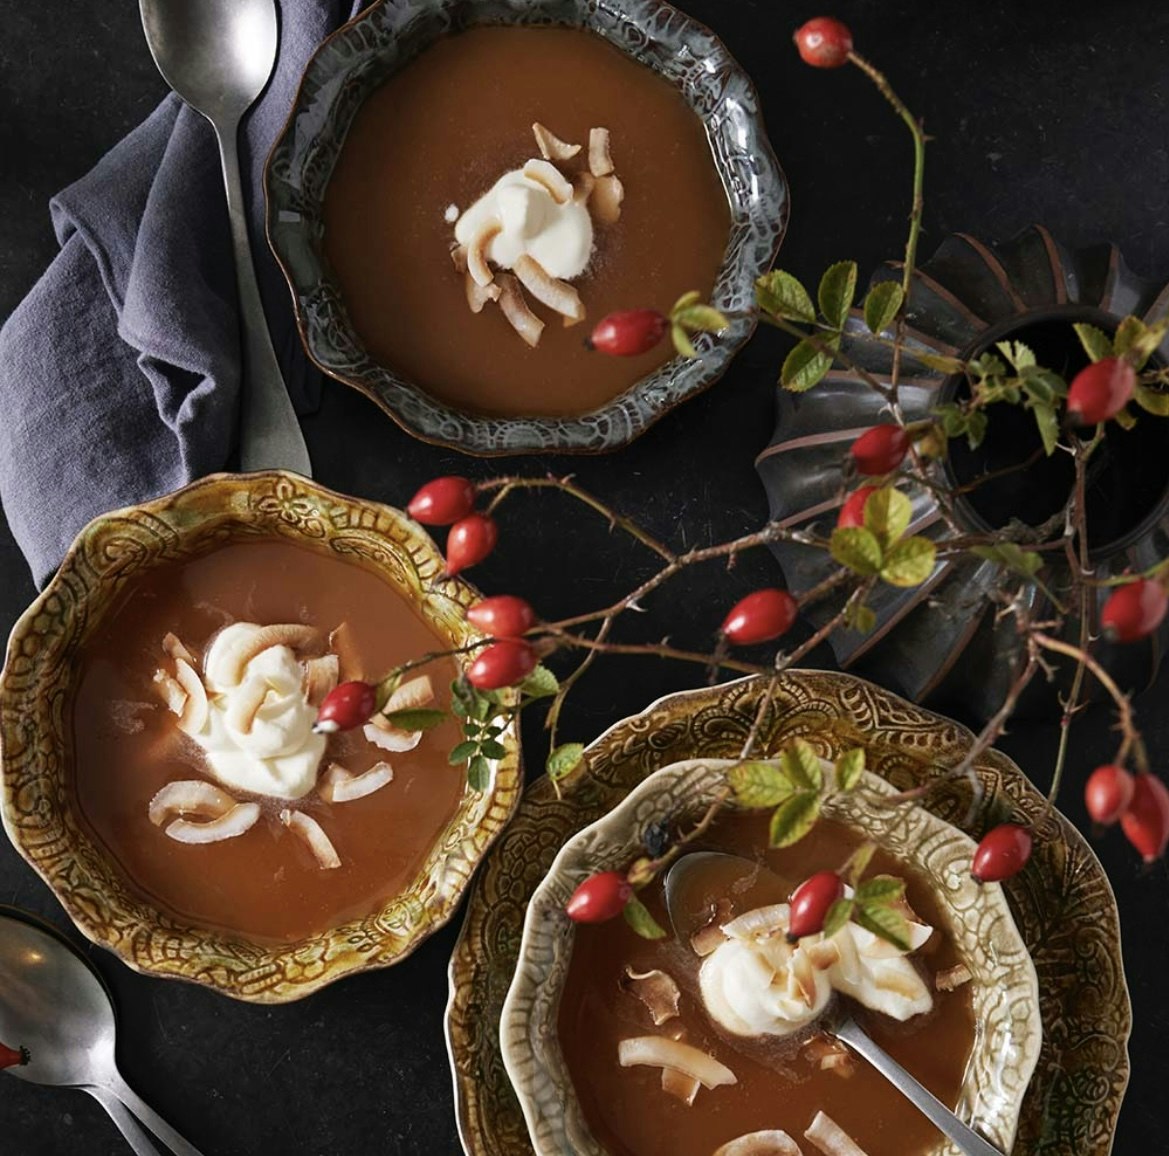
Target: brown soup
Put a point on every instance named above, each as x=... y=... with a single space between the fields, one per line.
x=264 y=884
x=627 y=1109
x=440 y=133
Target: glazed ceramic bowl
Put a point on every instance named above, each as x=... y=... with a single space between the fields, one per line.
x=383 y=40
x=39 y=813
x=1004 y=989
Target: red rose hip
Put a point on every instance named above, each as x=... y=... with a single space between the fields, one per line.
x=442 y=501
x=470 y=541
x=12 y=1057
x=880 y=450
x=760 y=617
x=346 y=706
x=1101 y=390
x=824 y=42
x=1134 y=611
x=629 y=332
x=852 y=513
x=599 y=898
x=1003 y=852
x=503 y=616
x=502 y=664
x=1108 y=793
x=811 y=902
x=1146 y=822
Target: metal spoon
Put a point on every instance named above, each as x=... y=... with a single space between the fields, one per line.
x=837 y=1022
x=54 y=1003
x=217 y=55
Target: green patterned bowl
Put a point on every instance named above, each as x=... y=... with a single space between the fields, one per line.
x=35 y=733
x=1004 y=988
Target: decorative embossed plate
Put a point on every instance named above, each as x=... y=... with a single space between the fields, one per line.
x=1063 y=904
x=35 y=690
x=385 y=38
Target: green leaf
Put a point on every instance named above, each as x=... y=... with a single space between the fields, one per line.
x=838 y=915
x=1019 y=355
x=493 y=749
x=1137 y=341
x=416 y=718
x=638 y=917
x=462 y=752
x=782 y=295
x=1048 y=423
x=1151 y=400
x=1026 y=563
x=478 y=773
x=1125 y=419
x=939 y=361
x=837 y=292
x=804 y=367
x=882 y=304
x=564 y=760
x=759 y=784
x=700 y=319
x=857 y=549
x=860 y=617
x=976 y=424
x=910 y=562
x=801 y=764
x=885 y=923
x=682 y=343
x=1097 y=344
x=685 y=301
x=849 y=768
x=385 y=688
x=858 y=863
x=541 y=683
x=881 y=889
x=887 y=515
x=792 y=820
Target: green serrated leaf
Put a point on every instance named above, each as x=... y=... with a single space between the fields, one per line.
x=793 y=819
x=1025 y=563
x=882 y=304
x=483 y=707
x=1136 y=341
x=849 y=768
x=881 y=890
x=1125 y=419
x=686 y=300
x=462 y=752
x=638 y=917
x=757 y=784
x=939 y=361
x=801 y=764
x=857 y=549
x=682 y=343
x=478 y=774
x=1048 y=423
x=838 y=916
x=782 y=295
x=541 y=683
x=804 y=367
x=910 y=562
x=954 y=419
x=1017 y=353
x=1097 y=344
x=493 y=749
x=858 y=862
x=700 y=319
x=564 y=760
x=976 y=424
x=987 y=365
x=837 y=292
x=887 y=515
x=1128 y=333
x=1151 y=400
x=885 y=923
x=860 y=617
x=416 y=719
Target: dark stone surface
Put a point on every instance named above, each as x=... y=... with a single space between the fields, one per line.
x=1049 y=111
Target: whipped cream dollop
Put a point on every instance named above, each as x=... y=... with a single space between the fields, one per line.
x=755 y=983
x=556 y=231
x=258 y=736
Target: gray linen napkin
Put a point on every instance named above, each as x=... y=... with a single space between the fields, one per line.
x=120 y=371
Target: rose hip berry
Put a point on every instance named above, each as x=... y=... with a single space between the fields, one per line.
x=1101 y=390
x=599 y=898
x=1134 y=611
x=348 y=705
x=760 y=617
x=852 y=513
x=502 y=664
x=810 y=903
x=1146 y=822
x=1108 y=793
x=442 y=501
x=12 y=1057
x=880 y=450
x=824 y=42
x=1003 y=852
x=503 y=616
x=470 y=541
x=628 y=333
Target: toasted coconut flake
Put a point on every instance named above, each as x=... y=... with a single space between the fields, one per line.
x=600 y=159
x=243 y=706
x=706 y=939
x=606 y=200
x=679 y=1085
x=459 y=258
x=759 y=923
x=344 y=646
x=242 y=817
x=391 y=739
x=805 y=976
x=656 y=990
x=549 y=290
x=342 y=786
x=479 y=295
x=304 y=641
x=189 y=797
x=193 y=717
x=172 y=645
x=410 y=695
x=172 y=694
x=515 y=309
x=771 y=1142
x=320 y=676
x=548 y=175
x=663 y=1052
x=953 y=977
x=551 y=147
x=477 y=252
x=839 y=1064
x=582 y=187
x=314 y=836
x=831 y=1138
x=821 y=955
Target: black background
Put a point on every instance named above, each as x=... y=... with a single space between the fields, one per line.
x=1047 y=111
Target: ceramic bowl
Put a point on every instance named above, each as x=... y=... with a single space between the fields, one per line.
x=381 y=41
x=1004 y=988
x=35 y=704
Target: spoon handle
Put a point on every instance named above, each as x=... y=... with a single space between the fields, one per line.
x=127 y=1125
x=969 y=1141
x=118 y=1088
x=270 y=435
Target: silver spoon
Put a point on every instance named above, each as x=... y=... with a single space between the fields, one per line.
x=217 y=55
x=837 y=1022
x=53 y=1003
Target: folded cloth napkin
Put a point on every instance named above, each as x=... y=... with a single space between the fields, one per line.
x=120 y=371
